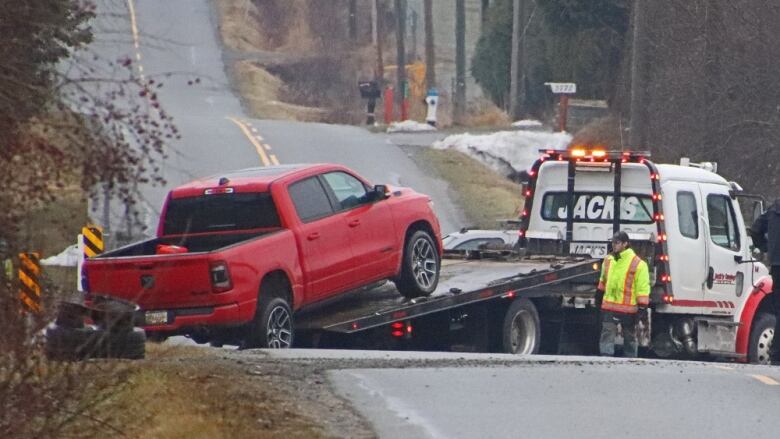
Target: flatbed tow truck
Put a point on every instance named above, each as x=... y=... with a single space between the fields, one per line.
x=708 y=289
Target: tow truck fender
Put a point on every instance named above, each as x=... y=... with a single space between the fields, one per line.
x=763 y=288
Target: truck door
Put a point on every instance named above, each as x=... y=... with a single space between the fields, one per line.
x=323 y=239
x=724 y=272
x=687 y=242
x=374 y=246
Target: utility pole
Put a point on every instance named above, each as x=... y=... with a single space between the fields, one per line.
x=400 y=34
x=414 y=35
x=459 y=107
x=353 y=21
x=376 y=10
x=484 y=11
x=517 y=67
x=515 y=59
x=430 y=55
x=636 y=130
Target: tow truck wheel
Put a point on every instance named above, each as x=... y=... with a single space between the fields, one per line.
x=521 y=331
x=419 y=267
x=273 y=325
x=761 y=336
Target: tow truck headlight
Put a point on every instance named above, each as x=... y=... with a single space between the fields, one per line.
x=220 y=277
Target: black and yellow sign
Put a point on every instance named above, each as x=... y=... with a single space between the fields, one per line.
x=29 y=281
x=93 y=241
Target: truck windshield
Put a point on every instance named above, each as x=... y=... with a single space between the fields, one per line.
x=595 y=207
x=220 y=212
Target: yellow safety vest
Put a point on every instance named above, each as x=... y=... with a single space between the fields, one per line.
x=625 y=282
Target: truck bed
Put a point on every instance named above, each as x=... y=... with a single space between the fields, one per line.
x=461 y=282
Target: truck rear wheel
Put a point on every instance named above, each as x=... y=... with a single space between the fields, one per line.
x=521 y=330
x=272 y=326
x=419 y=267
x=761 y=336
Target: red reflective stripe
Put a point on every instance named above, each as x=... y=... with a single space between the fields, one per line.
x=618 y=307
x=643 y=300
x=607 y=262
x=628 y=285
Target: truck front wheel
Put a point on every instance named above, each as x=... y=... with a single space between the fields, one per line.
x=761 y=336
x=419 y=267
x=521 y=331
x=272 y=326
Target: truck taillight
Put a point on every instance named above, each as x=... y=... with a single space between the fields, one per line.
x=220 y=277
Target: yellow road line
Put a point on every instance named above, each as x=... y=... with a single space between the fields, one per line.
x=134 y=29
x=258 y=146
x=274 y=159
x=267 y=146
x=766 y=380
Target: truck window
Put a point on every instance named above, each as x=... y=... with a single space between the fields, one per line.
x=311 y=201
x=687 y=215
x=349 y=191
x=723 y=222
x=598 y=207
x=220 y=212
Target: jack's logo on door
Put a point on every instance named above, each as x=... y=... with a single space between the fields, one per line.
x=725 y=279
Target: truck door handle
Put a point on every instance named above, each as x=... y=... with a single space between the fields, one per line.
x=710 y=277
x=354 y=223
x=313 y=236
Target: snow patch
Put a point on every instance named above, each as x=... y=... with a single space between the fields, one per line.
x=506 y=152
x=67 y=258
x=409 y=126
x=527 y=123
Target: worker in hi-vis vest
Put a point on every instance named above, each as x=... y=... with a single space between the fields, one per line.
x=625 y=282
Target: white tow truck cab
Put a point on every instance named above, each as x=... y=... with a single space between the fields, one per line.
x=708 y=291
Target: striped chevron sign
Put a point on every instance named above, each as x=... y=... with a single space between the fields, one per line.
x=93 y=240
x=29 y=281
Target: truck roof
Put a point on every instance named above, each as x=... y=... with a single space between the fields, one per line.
x=689 y=173
x=255 y=179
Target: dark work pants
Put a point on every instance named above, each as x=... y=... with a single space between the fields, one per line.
x=775 y=354
x=609 y=322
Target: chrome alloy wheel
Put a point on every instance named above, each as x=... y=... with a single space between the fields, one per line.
x=523 y=337
x=424 y=263
x=764 y=347
x=279 y=330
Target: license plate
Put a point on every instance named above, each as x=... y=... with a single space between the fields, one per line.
x=594 y=250
x=156 y=317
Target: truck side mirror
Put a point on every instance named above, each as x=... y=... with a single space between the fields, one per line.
x=378 y=193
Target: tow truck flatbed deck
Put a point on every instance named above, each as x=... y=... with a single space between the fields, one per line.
x=462 y=282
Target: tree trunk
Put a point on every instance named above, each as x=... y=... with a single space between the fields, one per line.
x=400 y=35
x=430 y=48
x=459 y=107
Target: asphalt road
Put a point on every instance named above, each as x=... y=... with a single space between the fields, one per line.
x=176 y=41
x=448 y=395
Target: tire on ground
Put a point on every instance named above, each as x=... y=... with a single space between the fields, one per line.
x=125 y=344
x=272 y=326
x=62 y=343
x=761 y=336
x=521 y=331
x=419 y=267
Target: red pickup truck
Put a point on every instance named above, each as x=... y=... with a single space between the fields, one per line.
x=237 y=254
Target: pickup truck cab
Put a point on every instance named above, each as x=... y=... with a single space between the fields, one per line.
x=237 y=254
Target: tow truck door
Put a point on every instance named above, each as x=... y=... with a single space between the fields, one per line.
x=686 y=240
x=725 y=249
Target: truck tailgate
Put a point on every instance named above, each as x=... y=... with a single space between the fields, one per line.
x=152 y=282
